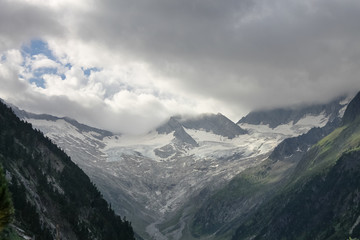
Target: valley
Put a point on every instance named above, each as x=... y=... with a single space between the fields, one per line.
x=158 y=180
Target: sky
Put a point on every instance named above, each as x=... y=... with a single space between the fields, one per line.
x=127 y=66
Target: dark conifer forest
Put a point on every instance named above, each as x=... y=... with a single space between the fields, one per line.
x=52 y=197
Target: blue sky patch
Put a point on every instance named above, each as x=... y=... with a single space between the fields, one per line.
x=38 y=76
x=36 y=47
x=39 y=82
x=41 y=71
x=87 y=71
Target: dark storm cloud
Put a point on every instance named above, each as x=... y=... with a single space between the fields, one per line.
x=237 y=55
x=255 y=53
x=20 y=22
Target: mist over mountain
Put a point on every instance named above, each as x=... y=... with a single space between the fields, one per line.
x=279 y=116
x=174 y=179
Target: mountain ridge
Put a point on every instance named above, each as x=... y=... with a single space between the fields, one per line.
x=51 y=194
x=278 y=116
x=82 y=127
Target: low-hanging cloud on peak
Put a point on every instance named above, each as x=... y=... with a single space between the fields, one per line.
x=160 y=57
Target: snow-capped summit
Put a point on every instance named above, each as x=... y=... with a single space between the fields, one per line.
x=181 y=136
x=215 y=123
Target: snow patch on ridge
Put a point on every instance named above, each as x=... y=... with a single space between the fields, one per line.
x=290 y=129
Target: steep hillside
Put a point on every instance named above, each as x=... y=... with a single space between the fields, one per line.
x=52 y=196
x=220 y=215
x=228 y=207
x=326 y=206
x=320 y=200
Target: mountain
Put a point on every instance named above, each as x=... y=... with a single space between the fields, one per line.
x=214 y=124
x=181 y=136
x=160 y=179
x=53 y=198
x=306 y=189
x=228 y=207
x=150 y=177
x=97 y=133
x=280 y=116
x=297 y=146
x=320 y=200
x=217 y=124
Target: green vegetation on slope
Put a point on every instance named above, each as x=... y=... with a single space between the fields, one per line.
x=229 y=207
x=326 y=207
x=321 y=201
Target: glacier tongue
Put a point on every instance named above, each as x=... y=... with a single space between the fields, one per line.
x=151 y=176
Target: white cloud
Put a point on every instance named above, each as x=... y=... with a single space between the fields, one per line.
x=42 y=61
x=11 y=85
x=152 y=59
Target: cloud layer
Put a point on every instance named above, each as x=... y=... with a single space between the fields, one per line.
x=128 y=65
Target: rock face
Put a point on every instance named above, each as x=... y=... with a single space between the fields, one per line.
x=159 y=179
x=52 y=196
x=217 y=124
x=180 y=134
x=301 y=144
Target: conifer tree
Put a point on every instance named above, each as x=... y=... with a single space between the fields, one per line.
x=6 y=206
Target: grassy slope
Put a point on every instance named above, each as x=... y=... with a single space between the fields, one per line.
x=228 y=207
x=319 y=185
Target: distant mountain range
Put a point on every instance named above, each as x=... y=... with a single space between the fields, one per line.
x=194 y=177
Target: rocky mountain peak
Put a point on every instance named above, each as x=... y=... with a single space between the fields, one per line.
x=215 y=123
x=170 y=126
x=181 y=136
